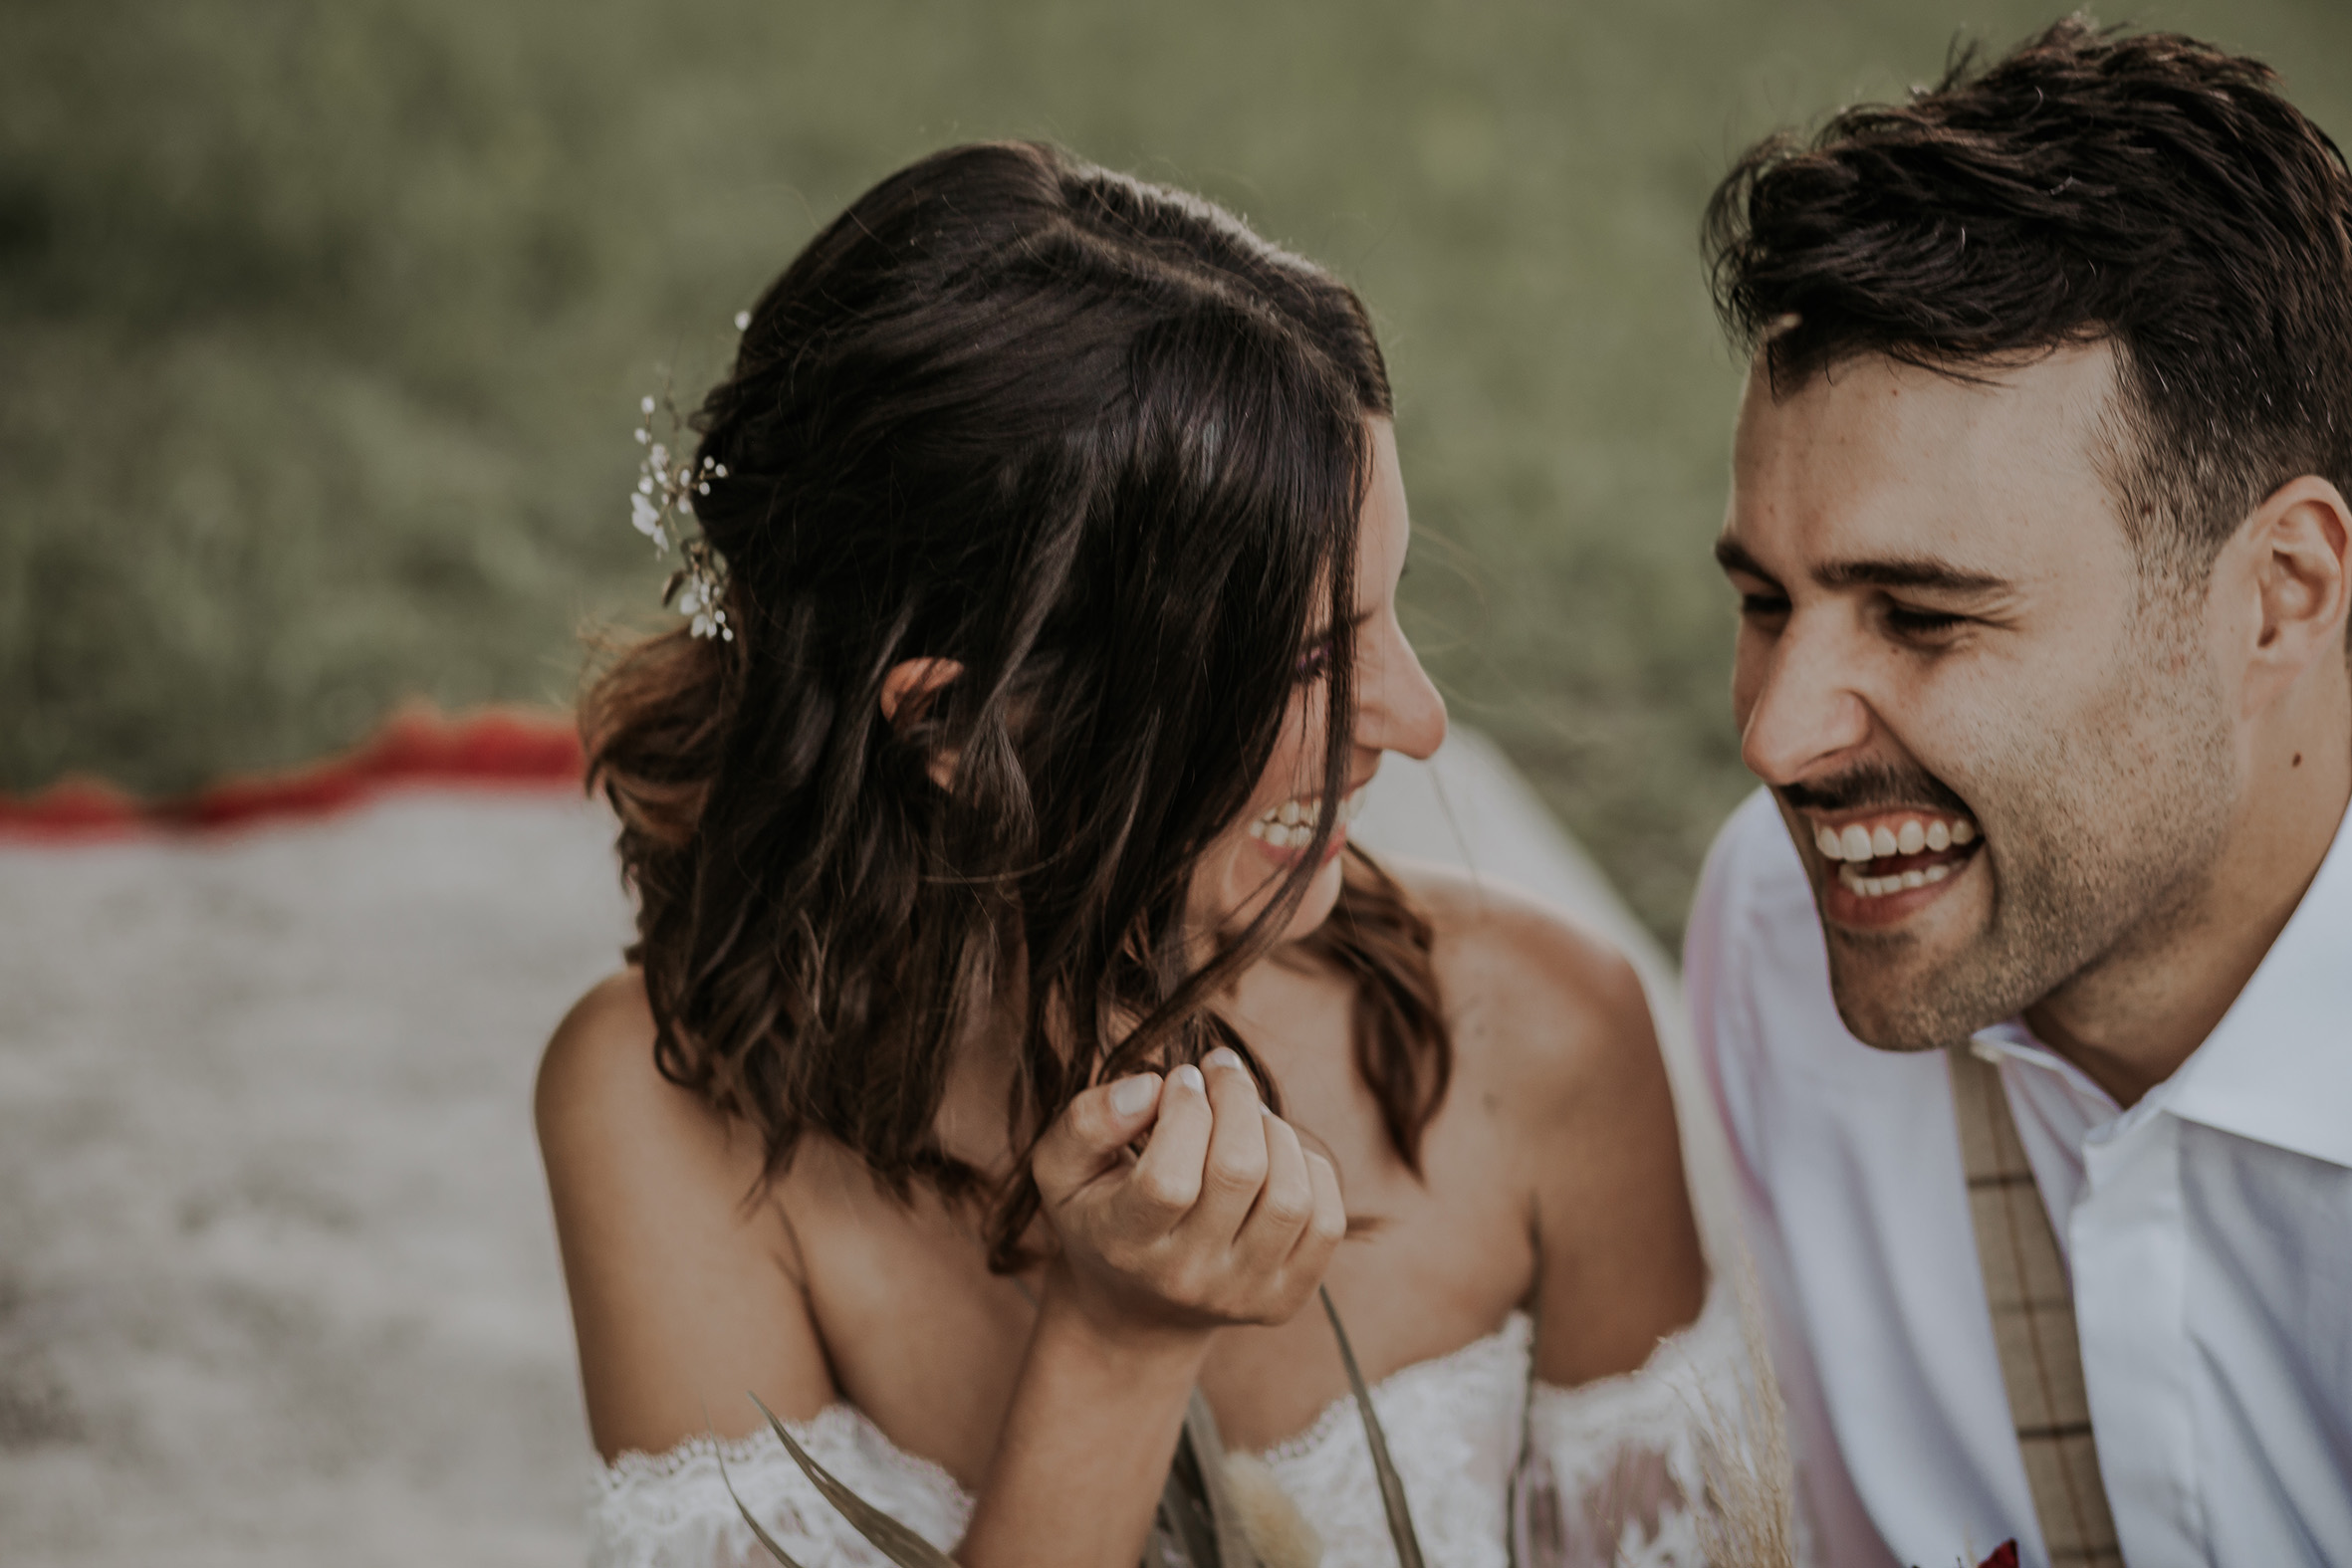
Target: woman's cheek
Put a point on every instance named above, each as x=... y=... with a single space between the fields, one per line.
x=1222 y=883
x=1321 y=897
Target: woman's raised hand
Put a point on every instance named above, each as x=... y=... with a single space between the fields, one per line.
x=1223 y=1219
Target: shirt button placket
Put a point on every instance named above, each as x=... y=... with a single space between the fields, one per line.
x=2129 y=1250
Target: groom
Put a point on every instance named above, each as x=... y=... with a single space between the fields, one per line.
x=2026 y=987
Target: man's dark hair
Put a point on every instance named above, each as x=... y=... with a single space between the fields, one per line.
x=2147 y=190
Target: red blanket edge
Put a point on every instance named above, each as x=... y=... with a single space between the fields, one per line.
x=494 y=748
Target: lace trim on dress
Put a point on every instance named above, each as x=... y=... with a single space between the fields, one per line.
x=1506 y=1348
x=1453 y=1428
x=672 y=1510
x=1613 y=1470
x=1617 y=1467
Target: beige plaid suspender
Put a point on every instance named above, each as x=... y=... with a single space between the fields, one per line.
x=2032 y=1302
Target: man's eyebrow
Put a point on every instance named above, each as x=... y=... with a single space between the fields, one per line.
x=1733 y=556
x=1907 y=571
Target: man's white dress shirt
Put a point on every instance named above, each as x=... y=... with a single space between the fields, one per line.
x=2209 y=1232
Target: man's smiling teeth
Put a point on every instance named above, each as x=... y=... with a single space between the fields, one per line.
x=1855 y=846
x=1896 y=882
x=1876 y=843
x=1291 y=825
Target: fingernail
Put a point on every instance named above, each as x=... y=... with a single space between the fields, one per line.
x=1225 y=1056
x=1188 y=1075
x=1130 y=1095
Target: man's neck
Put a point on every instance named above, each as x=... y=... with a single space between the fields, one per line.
x=2132 y=1020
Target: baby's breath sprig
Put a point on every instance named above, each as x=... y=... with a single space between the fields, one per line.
x=661 y=507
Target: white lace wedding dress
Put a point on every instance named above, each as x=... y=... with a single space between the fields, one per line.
x=1608 y=1473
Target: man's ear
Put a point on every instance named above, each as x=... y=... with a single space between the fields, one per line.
x=2300 y=560
x=908 y=690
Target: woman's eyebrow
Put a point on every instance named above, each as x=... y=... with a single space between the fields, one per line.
x=1324 y=633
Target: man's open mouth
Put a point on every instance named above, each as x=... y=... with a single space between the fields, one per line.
x=1891 y=852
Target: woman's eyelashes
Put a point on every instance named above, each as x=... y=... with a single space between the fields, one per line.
x=1315 y=661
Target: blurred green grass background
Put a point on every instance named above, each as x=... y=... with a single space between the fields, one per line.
x=324 y=325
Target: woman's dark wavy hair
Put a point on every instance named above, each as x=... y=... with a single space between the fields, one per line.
x=2146 y=191
x=1105 y=448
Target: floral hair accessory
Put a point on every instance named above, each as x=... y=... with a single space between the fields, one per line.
x=661 y=508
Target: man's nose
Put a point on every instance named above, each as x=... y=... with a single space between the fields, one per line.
x=1804 y=710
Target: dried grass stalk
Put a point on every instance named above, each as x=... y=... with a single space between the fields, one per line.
x=1200 y=1525
x=1278 y=1533
x=889 y=1537
x=1749 y=1520
x=1217 y=1510
x=1392 y=1486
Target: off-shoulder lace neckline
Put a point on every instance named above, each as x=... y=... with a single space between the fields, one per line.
x=845 y=1419
x=838 y=1421
x=1511 y=1340
x=1719 y=1305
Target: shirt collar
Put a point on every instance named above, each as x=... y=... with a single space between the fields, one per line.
x=2278 y=1066
x=2011 y=1038
x=2277 y=1069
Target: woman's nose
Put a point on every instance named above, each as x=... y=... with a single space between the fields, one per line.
x=1398 y=708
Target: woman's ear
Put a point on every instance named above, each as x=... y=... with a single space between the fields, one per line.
x=907 y=691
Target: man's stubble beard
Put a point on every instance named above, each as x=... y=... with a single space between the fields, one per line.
x=2098 y=837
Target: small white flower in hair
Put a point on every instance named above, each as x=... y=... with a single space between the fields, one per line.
x=666 y=496
x=743 y=319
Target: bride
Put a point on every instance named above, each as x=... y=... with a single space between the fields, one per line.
x=1013 y=1040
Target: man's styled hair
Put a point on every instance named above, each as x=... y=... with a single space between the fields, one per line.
x=2145 y=190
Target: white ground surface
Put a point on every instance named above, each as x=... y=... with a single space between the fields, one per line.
x=277 y=1283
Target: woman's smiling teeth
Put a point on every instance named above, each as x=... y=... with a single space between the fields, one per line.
x=1291 y=825
x=1855 y=846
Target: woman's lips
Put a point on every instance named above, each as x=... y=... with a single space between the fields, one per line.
x=1290 y=826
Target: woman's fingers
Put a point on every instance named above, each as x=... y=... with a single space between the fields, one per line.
x=1326 y=1223
x=1224 y=1217
x=1234 y=1174
x=1166 y=1182
x=1286 y=1202
x=1089 y=1139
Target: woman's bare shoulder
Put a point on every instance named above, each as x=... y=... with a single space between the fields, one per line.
x=600 y=1064
x=1551 y=1022
x=1541 y=994
x=676 y=1254
x=601 y=1091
